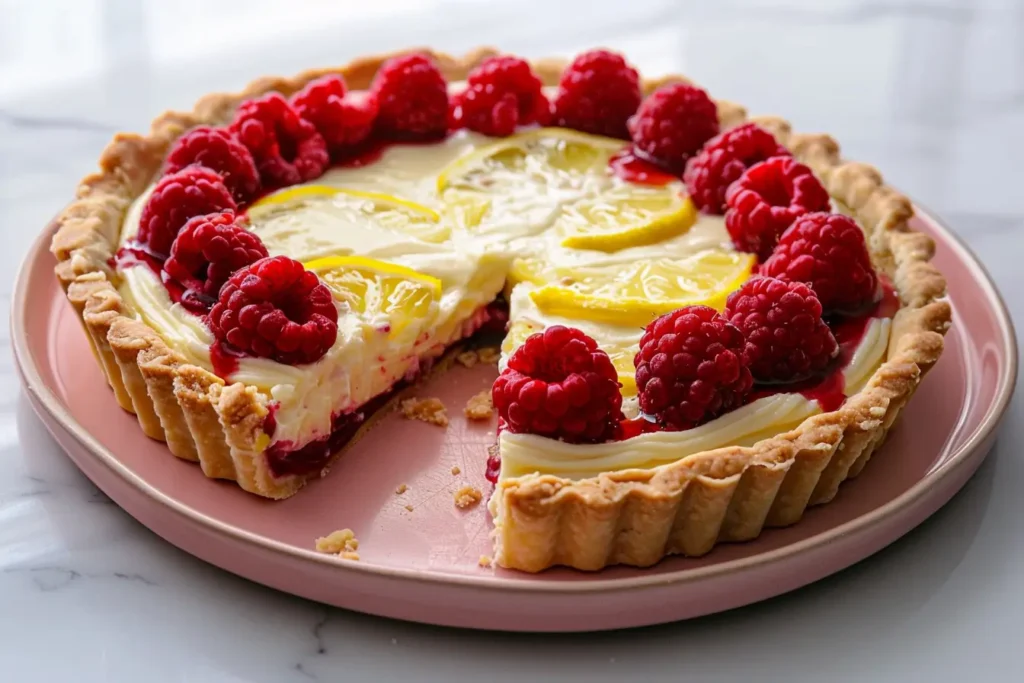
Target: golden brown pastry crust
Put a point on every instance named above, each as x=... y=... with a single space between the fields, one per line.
x=631 y=517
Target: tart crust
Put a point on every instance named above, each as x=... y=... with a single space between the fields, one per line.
x=633 y=517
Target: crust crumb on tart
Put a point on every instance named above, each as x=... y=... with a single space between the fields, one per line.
x=342 y=543
x=485 y=561
x=467 y=496
x=468 y=359
x=480 y=406
x=456 y=471
x=402 y=488
x=429 y=410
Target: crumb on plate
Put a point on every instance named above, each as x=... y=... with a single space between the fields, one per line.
x=429 y=410
x=467 y=497
x=485 y=561
x=402 y=488
x=342 y=543
x=480 y=406
x=467 y=358
x=456 y=470
x=489 y=355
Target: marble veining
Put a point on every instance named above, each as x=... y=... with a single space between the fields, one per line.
x=930 y=91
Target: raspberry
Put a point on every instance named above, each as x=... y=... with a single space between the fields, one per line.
x=690 y=368
x=827 y=252
x=723 y=160
x=560 y=385
x=205 y=254
x=673 y=123
x=220 y=151
x=597 y=94
x=275 y=308
x=786 y=338
x=343 y=120
x=766 y=200
x=413 y=98
x=501 y=93
x=192 y=191
x=287 y=148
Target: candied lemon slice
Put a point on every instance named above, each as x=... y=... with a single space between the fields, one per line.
x=638 y=292
x=405 y=298
x=622 y=219
x=548 y=156
x=349 y=208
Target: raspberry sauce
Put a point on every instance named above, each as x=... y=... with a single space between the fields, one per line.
x=134 y=254
x=224 y=360
x=629 y=166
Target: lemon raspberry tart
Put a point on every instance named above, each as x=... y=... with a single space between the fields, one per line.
x=710 y=322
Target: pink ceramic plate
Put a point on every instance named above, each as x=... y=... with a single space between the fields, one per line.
x=423 y=564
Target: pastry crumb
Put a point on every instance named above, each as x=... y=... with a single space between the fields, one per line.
x=456 y=470
x=480 y=406
x=485 y=561
x=342 y=543
x=429 y=410
x=489 y=355
x=467 y=497
x=402 y=488
x=468 y=358
x=409 y=508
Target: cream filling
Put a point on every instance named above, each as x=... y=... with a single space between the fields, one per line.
x=523 y=454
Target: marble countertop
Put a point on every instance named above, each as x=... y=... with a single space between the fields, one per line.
x=930 y=91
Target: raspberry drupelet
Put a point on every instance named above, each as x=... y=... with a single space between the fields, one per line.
x=672 y=124
x=690 y=368
x=412 y=97
x=220 y=151
x=275 y=308
x=343 y=119
x=205 y=254
x=786 y=338
x=723 y=160
x=827 y=251
x=287 y=148
x=177 y=197
x=558 y=384
x=597 y=93
x=501 y=94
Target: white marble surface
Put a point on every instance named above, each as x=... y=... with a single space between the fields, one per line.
x=931 y=91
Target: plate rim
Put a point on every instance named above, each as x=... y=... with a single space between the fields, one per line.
x=46 y=398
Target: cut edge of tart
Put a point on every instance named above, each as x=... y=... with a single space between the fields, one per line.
x=633 y=516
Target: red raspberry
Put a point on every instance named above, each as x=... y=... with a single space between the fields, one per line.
x=343 y=120
x=205 y=254
x=275 y=308
x=597 y=94
x=560 y=385
x=218 y=150
x=288 y=150
x=723 y=160
x=413 y=98
x=501 y=93
x=786 y=338
x=690 y=368
x=192 y=191
x=766 y=200
x=827 y=252
x=673 y=123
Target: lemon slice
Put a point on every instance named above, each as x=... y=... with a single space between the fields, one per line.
x=405 y=298
x=638 y=292
x=618 y=220
x=543 y=155
x=348 y=208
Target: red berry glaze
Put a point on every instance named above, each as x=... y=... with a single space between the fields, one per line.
x=177 y=197
x=344 y=120
x=560 y=385
x=723 y=160
x=766 y=200
x=501 y=93
x=786 y=339
x=287 y=149
x=690 y=368
x=597 y=94
x=413 y=98
x=673 y=123
x=275 y=308
x=220 y=151
x=827 y=252
x=205 y=254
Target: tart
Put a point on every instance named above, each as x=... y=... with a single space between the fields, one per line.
x=709 y=321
